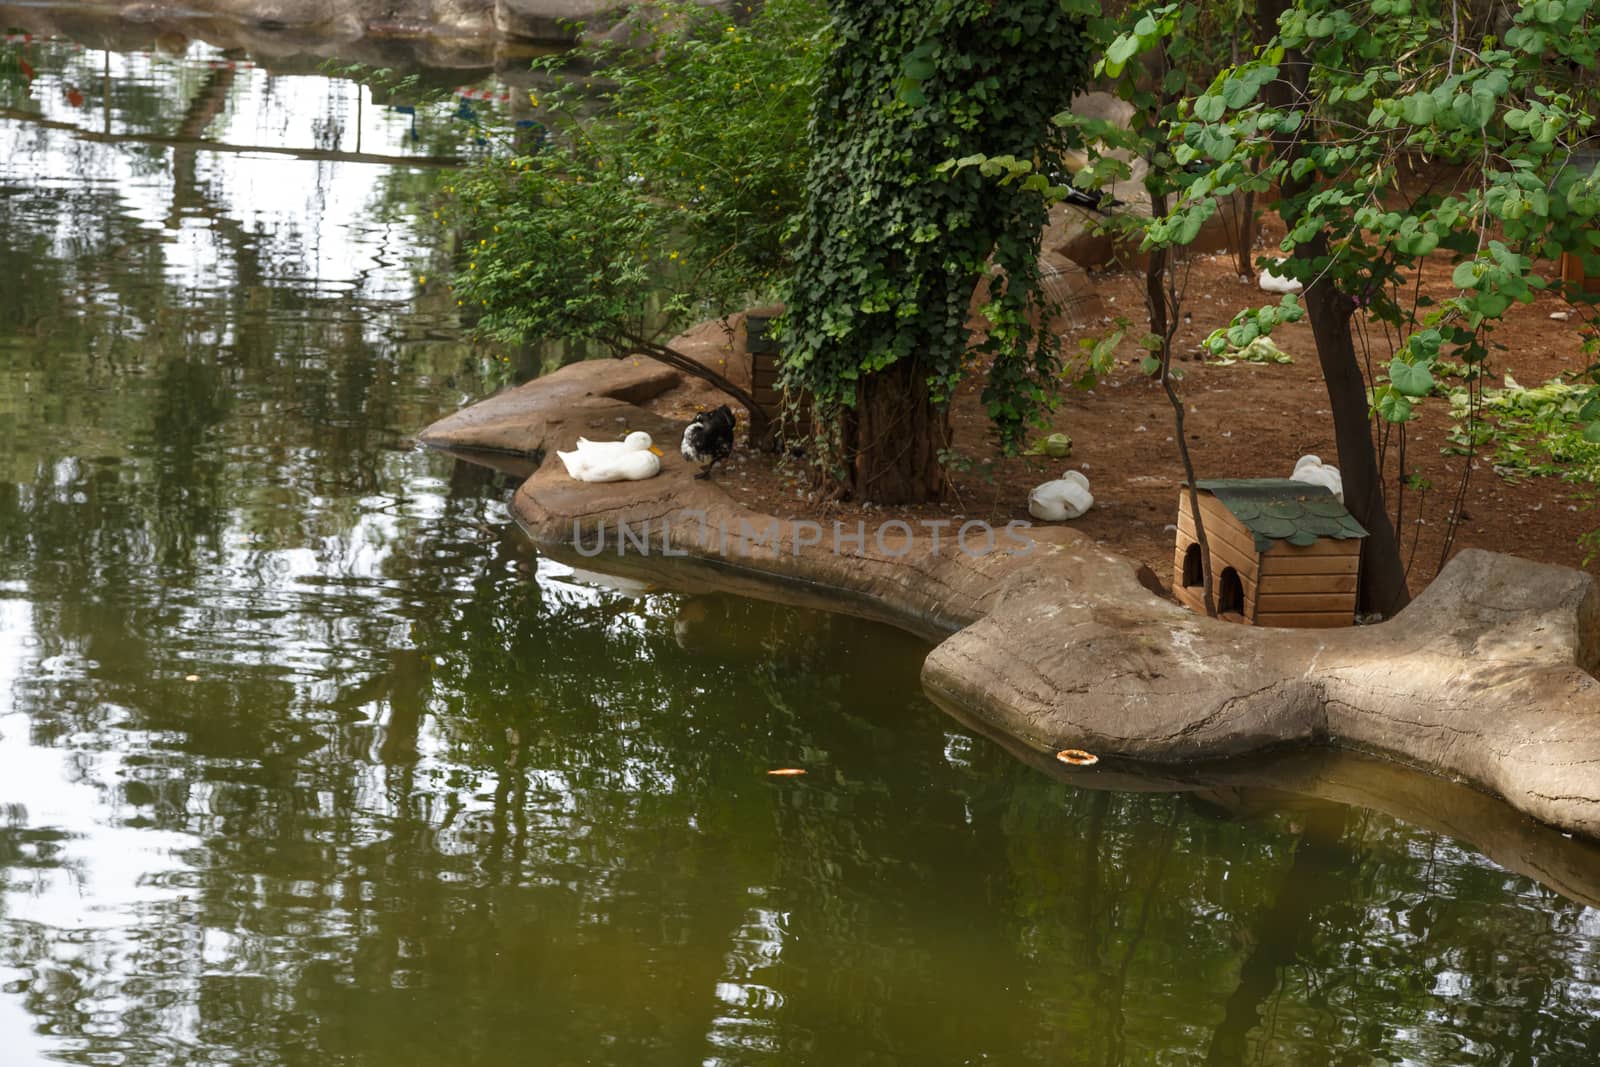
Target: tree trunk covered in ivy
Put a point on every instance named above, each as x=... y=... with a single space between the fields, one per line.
x=897 y=434
x=895 y=246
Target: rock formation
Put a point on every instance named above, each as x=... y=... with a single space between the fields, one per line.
x=1053 y=642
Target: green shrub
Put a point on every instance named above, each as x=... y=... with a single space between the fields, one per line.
x=666 y=192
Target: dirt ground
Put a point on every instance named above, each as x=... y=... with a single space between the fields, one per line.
x=1244 y=420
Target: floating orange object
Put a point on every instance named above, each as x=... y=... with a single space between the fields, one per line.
x=1077 y=757
x=785 y=772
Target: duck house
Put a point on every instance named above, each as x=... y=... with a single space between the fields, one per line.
x=763 y=349
x=1283 y=553
x=765 y=373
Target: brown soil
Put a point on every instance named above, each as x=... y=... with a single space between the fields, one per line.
x=1244 y=420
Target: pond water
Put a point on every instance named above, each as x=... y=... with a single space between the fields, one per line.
x=307 y=756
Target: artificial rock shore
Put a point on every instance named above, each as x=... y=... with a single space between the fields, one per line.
x=1051 y=641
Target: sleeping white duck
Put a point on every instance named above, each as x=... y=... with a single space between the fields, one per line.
x=1312 y=471
x=1065 y=498
x=1278 y=283
x=630 y=460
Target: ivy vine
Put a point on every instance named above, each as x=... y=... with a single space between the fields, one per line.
x=894 y=246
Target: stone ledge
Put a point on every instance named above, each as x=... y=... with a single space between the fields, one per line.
x=1054 y=644
x=521 y=419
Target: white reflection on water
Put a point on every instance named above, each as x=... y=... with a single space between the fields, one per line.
x=103 y=893
x=750 y=1008
x=104 y=870
x=18 y=1033
x=308 y=226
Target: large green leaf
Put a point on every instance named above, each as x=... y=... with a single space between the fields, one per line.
x=1418 y=109
x=1466 y=274
x=1120 y=51
x=1394 y=407
x=1412 y=379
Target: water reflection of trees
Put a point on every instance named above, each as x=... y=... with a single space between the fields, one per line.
x=439 y=805
x=431 y=800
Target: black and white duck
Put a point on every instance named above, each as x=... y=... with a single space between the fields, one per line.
x=709 y=439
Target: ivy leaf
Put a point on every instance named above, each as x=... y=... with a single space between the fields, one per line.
x=911 y=92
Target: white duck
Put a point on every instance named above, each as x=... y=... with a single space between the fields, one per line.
x=629 y=460
x=1277 y=283
x=1312 y=471
x=1065 y=498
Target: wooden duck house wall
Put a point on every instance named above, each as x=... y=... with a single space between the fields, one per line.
x=765 y=373
x=1310 y=585
x=763 y=363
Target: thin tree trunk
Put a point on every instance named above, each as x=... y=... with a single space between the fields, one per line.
x=1161 y=298
x=1382 y=586
x=1382 y=581
x=1246 y=235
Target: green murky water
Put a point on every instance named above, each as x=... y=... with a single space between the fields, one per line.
x=306 y=756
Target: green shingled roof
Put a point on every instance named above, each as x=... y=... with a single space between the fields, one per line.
x=1277 y=509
